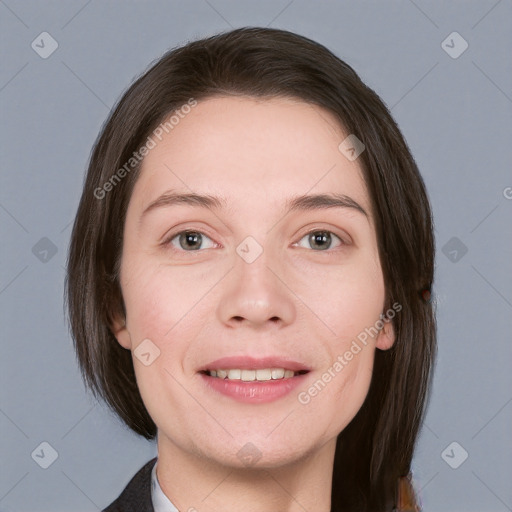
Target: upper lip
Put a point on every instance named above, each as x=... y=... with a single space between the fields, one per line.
x=254 y=363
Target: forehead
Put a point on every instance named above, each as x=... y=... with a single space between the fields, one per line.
x=252 y=151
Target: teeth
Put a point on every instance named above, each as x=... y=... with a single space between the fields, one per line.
x=247 y=375
x=277 y=373
x=234 y=374
x=264 y=374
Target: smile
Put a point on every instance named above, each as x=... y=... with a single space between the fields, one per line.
x=253 y=380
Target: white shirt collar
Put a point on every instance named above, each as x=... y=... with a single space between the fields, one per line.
x=161 y=503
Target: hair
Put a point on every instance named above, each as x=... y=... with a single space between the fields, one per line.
x=376 y=448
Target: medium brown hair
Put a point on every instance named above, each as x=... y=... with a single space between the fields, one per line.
x=376 y=448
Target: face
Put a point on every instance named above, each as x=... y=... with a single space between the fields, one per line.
x=249 y=249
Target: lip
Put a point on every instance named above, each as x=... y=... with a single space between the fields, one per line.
x=254 y=363
x=254 y=391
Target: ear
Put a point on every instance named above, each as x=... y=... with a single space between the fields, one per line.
x=120 y=331
x=386 y=337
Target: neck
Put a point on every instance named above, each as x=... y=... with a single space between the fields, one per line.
x=195 y=484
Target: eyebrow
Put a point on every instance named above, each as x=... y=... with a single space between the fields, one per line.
x=297 y=203
x=323 y=201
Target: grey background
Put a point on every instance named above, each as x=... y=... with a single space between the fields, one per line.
x=456 y=116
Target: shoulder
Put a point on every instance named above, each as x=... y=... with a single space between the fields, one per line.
x=136 y=496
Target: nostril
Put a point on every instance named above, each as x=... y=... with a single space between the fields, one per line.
x=239 y=318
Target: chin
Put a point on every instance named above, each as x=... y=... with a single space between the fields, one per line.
x=260 y=451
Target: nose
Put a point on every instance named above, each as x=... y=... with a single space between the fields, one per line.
x=256 y=295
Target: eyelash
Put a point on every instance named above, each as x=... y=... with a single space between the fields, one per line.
x=334 y=237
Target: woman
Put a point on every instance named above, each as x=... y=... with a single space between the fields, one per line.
x=249 y=278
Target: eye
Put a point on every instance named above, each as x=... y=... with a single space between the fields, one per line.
x=190 y=241
x=320 y=240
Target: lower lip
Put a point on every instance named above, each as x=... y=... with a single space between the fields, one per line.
x=254 y=391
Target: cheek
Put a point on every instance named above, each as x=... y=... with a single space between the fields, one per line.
x=157 y=298
x=346 y=299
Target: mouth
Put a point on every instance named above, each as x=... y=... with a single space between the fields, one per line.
x=253 y=380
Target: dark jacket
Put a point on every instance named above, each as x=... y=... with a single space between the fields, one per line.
x=136 y=496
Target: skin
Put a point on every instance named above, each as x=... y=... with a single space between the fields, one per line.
x=295 y=300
